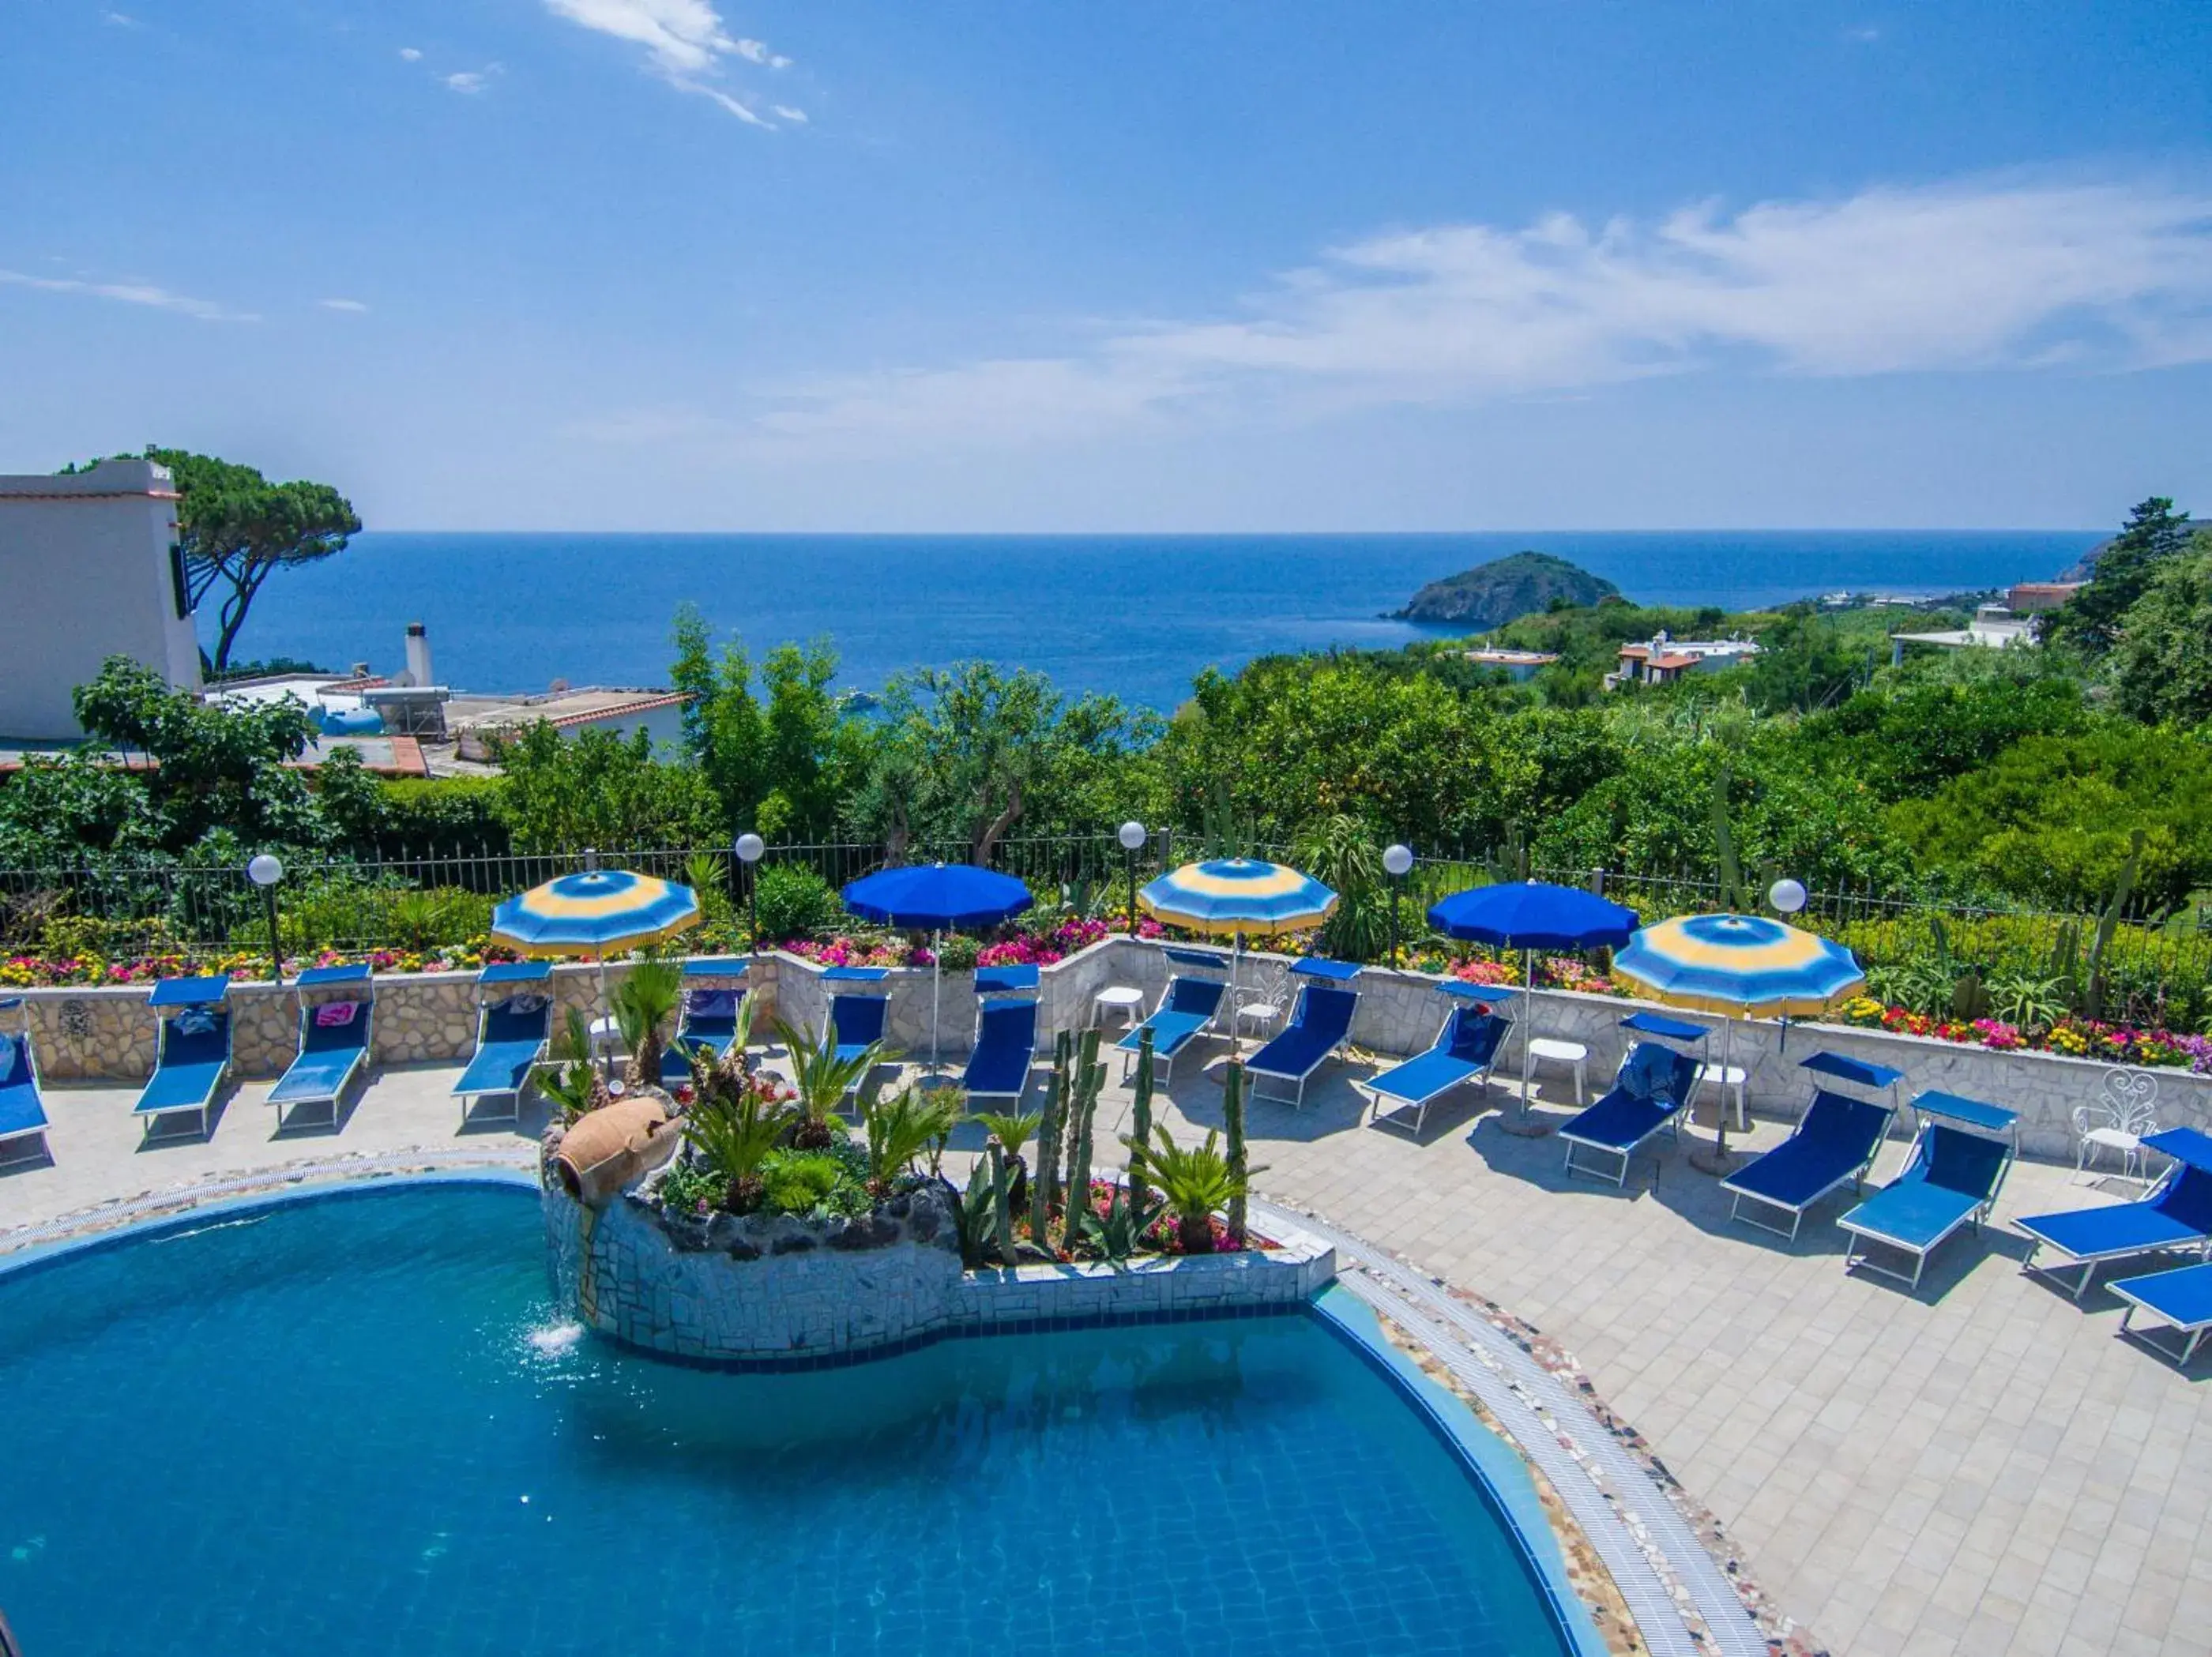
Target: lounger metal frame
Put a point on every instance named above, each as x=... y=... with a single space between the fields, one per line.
x=2176 y=1172
x=1479 y=1077
x=1014 y=1099
x=1164 y=1062
x=2190 y=1333
x=1855 y=1252
x=1856 y=1179
x=1670 y=1124
x=166 y=1016
x=1296 y=1097
x=38 y=1131
x=366 y=1003
x=513 y=987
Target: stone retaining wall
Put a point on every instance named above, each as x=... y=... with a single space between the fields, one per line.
x=108 y=1034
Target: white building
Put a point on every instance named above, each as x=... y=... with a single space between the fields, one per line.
x=1663 y=660
x=89 y=568
x=1993 y=627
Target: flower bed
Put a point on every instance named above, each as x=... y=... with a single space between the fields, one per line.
x=1032 y=946
x=47 y=971
x=2073 y=1038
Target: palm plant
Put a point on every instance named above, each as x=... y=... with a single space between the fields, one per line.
x=1341 y=853
x=731 y=1134
x=822 y=1079
x=644 y=1003
x=900 y=1129
x=571 y=1080
x=1193 y=1182
x=1010 y=1131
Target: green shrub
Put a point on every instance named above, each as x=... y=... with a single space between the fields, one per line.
x=795 y=903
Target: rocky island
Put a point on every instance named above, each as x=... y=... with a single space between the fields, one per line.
x=1490 y=595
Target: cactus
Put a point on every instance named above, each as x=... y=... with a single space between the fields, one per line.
x=1048 y=1172
x=2066 y=963
x=1002 y=1208
x=1731 y=875
x=1090 y=1082
x=1969 y=1000
x=2109 y=921
x=1140 y=1116
x=1232 y=1112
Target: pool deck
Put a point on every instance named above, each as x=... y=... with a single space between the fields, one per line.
x=1978 y=1467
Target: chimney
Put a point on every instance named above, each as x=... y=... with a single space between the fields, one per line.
x=418 y=656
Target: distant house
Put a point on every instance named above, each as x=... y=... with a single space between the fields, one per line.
x=2037 y=598
x=479 y=723
x=1662 y=660
x=89 y=568
x=1993 y=627
x=1517 y=665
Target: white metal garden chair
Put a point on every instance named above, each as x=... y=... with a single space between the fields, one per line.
x=2122 y=1116
x=1262 y=1008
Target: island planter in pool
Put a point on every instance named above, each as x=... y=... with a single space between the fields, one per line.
x=690 y=1280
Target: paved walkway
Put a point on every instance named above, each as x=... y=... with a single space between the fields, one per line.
x=1976 y=1468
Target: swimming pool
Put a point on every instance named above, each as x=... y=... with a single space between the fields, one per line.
x=352 y=1427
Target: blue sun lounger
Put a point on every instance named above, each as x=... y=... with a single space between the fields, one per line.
x=2181 y=1298
x=334 y=1036
x=1005 y=1052
x=2175 y=1214
x=1651 y=1092
x=1834 y=1146
x=512 y=1031
x=191 y=1055
x=1320 y=1025
x=709 y=1022
x=1951 y=1178
x=1186 y=1006
x=22 y=1107
x=1464 y=1052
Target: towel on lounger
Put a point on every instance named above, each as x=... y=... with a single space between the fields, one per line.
x=333 y=1014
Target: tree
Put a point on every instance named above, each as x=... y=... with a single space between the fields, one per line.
x=219 y=765
x=2091 y=619
x=236 y=528
x=2162 y=669
x=596 y=789
x=781 y=765
x=958 y=752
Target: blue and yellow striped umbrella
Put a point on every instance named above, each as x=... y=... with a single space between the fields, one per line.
x=598 y=913
x=1741 y=964
x=1238 y=897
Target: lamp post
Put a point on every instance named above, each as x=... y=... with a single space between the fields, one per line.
x=1397 y=862
x=1132 y=835
x=751 y=848
x=1788 y=896
x=265 y=871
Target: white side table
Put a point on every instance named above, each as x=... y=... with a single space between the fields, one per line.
x=1543 y=1047
x=1118 y=999
x=606 y=1034
x=1264 y=1014
x=1726 y=1076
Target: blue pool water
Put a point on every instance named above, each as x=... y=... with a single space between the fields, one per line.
x=340 y=1428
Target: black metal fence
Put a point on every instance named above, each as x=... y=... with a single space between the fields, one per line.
x=2155 y=964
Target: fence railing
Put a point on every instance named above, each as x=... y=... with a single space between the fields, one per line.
x=2155 y=965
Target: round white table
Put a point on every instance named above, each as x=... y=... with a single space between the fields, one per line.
x=1543 y=1047
x=1726 y=1076
x=1118 y=999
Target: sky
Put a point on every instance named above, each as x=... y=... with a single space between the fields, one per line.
x=1023 y=265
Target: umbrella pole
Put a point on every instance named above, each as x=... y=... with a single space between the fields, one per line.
x=1523 y=1125
x=936 y=984
x=606 y=1010
x=1717 y=1160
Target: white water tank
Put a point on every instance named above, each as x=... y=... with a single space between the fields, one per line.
x=418 y=656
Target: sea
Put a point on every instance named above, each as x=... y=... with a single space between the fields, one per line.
x=1133 y=615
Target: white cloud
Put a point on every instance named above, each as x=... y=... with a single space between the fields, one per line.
x=785 y=112
x=469 y=81
x=2002 y=275
x=122 y=20
x=409 y=55
x=684 y=41
x=353 y=306
x=131 y=293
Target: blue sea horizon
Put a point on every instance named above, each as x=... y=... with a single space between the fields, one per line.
x=1134 y=615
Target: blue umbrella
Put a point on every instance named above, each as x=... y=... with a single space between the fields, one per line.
x=937 y=897
x=1529 y=916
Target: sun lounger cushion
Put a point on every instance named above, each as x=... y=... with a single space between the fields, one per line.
x=2179 y=1216
x=328 y=1057
x=1324 y=1017
x=1835 y=1140
x=1005 y=1048
x=1619 y=1120
x=187 y=1074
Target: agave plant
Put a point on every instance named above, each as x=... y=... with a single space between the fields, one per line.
x=900 y=1129
x=822 y=1079
x=1193 y=1182
x=1117 y=1233
x=2026 y=999
x=731 y=1133
x=643 y=1003
x=571 y=1080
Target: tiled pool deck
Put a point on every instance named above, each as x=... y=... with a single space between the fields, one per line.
x=1976 y=1468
